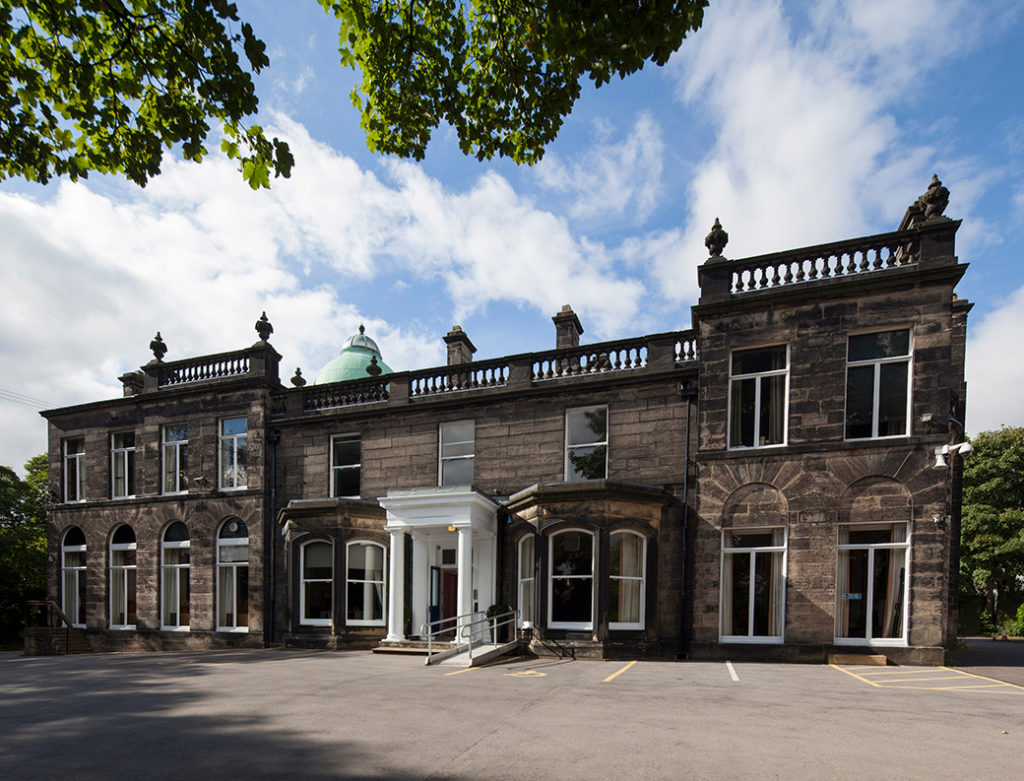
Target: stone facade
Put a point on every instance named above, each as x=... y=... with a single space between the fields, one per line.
x=740 y=496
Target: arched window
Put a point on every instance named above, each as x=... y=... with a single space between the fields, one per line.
x=364 y=584
x=571 y=580
x=72 y=567
x=317 y=583
x=627 y=570
x=174 y=577
x=526 y=580
x=233 y=577
x=122 y=578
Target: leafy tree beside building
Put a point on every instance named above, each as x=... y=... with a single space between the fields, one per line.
x=22 y=543
x=992 y=529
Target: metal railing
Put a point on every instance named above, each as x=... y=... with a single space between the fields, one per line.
x=467 y=630
x=53 y=617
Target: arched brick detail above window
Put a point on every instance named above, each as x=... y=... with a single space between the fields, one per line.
x=876 y=498
x=755 y=504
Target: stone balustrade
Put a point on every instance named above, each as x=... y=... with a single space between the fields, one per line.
x=345 y=394
x=825 y=261
x=450 y=379
x=204 y=368
x=661 y=352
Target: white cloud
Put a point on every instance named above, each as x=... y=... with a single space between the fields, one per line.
x=611 y=178
x=808 y=149
x=995 y=374
x=87 y=279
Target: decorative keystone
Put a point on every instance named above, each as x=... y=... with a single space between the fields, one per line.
x=298 y=380
x=372 y=368
x=264 y=328
x=935 y=199
x=716 y=240
x=158 y=347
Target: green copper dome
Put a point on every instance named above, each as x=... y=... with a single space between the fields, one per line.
x=351 y=362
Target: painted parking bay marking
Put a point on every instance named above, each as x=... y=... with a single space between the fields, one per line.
x=526 y=674
x=619 y=672
x=929 y=679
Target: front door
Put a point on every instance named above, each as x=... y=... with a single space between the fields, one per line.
x=449 y=592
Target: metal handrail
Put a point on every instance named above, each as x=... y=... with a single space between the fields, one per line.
x=53 y=607
x=451 y=624
x=469 y=629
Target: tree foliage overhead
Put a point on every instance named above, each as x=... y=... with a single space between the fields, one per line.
x=110 y=85
x=107 y=85
x=992 y=527
x=503 y=73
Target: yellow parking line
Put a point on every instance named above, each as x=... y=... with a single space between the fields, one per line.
x=885 y=680
x=986 y=678
x=478 y=667
x=901 y=671
x=620 y=672
x=852 y=674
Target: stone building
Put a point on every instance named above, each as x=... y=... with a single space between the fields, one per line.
x=776 y=482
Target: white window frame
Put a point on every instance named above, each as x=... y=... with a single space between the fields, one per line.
x=78 y=460
x=868 y=597
x=382 y=621
x=72 y=599
x=119 y=576
x=642 y=579
x=304 y=582
x=442 y=459
x=751 y=552
x=338 y=467
x=233 y=441
x=171 y=453
x=908 y=359
x=123 y=456
x=181 y=571
x=568 y=470
x=757 y=377
x=225 y=567
x=526 y=606
x=573 y=625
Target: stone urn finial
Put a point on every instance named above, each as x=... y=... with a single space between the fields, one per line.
x=716 y=240
x=935 y=199
x=298 y=380
x=362 y=328
x=158 y=347
x=372 y=368
x=264 y=328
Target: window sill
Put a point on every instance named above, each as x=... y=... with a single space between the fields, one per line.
x=237 y=630
x=879 y=642
x=751 y=640
x=175 y=629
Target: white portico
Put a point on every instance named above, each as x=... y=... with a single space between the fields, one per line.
x=453 y=569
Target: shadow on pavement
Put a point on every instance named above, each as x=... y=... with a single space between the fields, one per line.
x=158 y=716
x=999 y=659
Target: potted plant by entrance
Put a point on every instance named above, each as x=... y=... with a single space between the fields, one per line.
x=503 y=633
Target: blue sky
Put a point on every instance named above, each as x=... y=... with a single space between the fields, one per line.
x=795 y=123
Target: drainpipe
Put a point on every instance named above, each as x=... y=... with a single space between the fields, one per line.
x=688 y=392
x=271 y=541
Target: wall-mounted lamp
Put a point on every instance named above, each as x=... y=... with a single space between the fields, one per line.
x=451 y=527
x=963 y=448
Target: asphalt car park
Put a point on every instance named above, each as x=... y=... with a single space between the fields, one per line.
x=355 y=715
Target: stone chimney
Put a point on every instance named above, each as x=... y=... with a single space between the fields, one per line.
x=567 y=328
x=460 y=349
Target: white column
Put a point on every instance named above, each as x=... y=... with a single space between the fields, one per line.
x=396 y=588
x=465 y=560
x=420 y=587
